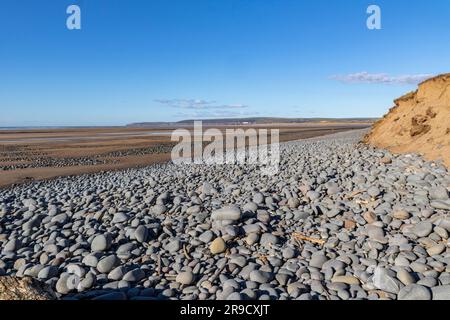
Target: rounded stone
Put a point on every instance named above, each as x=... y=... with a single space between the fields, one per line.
x=117 y=273
x=288 y=253
x=134 y=275
x=252 y=238
x=423 y=229
x=293 y=203
x=217 y=246
x=120 y=217
x=260 y=276
x=185 y=278
x=374 y=191
x=436 y=249
x=351 y=280
x=441 y=292
x=232 y=213
x=439 y=193
x=159 y=209
x=414 y=292
x=107 y=264
x=62 y=285
x=405 y=277
x=401 y=215
x=317 y=260
x=48 y=272
x=268 y=239
x=90 y=260
x=102 y=242
x=12 y=245
x=141 y=233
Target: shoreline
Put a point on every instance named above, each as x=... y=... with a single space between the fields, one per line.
x=11 y=178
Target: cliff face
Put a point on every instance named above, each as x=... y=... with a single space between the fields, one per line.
x=419 y=122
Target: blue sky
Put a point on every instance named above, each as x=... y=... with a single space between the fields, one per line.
x=165 y=60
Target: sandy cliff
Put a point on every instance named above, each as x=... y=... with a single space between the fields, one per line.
x=419 y=122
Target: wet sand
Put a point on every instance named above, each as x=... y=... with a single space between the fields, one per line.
x=38 y=154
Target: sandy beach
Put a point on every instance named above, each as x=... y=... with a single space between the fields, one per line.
x=36 y=154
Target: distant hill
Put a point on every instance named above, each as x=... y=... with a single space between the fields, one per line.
x=252 y=120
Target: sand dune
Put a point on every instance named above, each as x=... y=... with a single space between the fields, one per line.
x=419 y=122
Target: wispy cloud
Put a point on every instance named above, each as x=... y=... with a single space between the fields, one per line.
x=207 y=114
x=381 y=78
x=198 y=104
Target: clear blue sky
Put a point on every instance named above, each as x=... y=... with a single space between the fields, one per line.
x=163 y=60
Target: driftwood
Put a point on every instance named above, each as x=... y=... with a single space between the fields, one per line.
x=299 y=236
x=186 y=253
x=354 y=194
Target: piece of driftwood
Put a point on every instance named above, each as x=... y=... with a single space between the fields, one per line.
x=299 y=236
x=354 y=194
x=186 y=253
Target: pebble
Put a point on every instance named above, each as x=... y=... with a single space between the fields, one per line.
x=317 y=260
x=48 y=272
x=441 y=204
x=293 y=203
x=313 y=195
x=101 y=243
x=90 y=260
x=117 y=273
x=61 y=285
x=105 y=265
x=159 y=209
x=373 y=191
x=141 y=233
x=185 y=278
x=173 y=246
x=120 y=217
x=401 y=215
x=370 y=217
x=436 y=249
x=405 y=277
x=252 y=238
x=376 y=233
x=268 y=239
x=218 y=246
x=384 y=281
x=227 y=213
x=423 y=229
x=288 y=253
x=134 y=275
x=414 y=292
x=12 y=245
x=439 y=193
x=206 y=237
x=235 y=296
x=260 y=276
x=441 y=292
x=345 y=279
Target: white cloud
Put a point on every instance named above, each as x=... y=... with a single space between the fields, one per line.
x=207 y=114
x=197 y=104
x=381 y=78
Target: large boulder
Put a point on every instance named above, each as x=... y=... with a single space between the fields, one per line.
x=14 y=288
